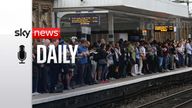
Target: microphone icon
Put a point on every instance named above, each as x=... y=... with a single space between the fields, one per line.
x=21 y=54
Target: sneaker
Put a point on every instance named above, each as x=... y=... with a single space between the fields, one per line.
x=95 y=82
x=167 y=70
x=112 y=79
x=133 y=74
x=35 y=93
x=102 y=82
x=106 y=81
x=141 y=73
x=69 y=88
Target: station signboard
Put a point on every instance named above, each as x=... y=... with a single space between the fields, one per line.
x=164 y=28
x=86 y=30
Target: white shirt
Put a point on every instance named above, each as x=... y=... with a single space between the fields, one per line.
x=117 y=53
x=142 y=50
x=188 y=48
x=180 y=50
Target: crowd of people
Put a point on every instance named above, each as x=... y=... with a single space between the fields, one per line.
x=101 y=62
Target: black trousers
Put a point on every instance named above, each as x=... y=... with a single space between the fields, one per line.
x=189 y=60
x=88 y=75
x=53 y=76
x=81 y=73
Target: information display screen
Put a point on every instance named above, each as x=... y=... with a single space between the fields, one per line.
x=85 y=20
x=164 y=28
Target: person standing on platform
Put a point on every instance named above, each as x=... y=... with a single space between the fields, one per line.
x=68 y=70
x=102 y=63
x=110 y=62
x=35 y=77
x=88 y=75
x=137 y=57
x=180 y=52
x=160 y=57
x=93 y=57
x=142 y=62
x=165 y=57
x=132 y=59
x=117 y=54
x=54 y=69
x=44 y=81
x=83 y=60
x=122 y=59
x=172 y=56
x=150 y=58
x=155 y=59
x=189 y=52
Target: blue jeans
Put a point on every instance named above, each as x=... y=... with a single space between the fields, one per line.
x=103 y=69
x=160 y=61
x=165 y=62
x=181 y=59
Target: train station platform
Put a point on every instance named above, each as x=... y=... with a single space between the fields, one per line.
x=116 y=88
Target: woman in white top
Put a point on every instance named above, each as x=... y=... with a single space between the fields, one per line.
x=180 y=52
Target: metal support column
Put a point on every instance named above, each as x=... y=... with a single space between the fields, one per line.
x=178 y=27
x=142 y=27
x=111 y=28
x=152 y=30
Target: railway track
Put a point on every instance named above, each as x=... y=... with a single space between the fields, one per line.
x=182 y=99
x=186 y=104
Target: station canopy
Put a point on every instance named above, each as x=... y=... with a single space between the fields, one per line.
x=149 y=8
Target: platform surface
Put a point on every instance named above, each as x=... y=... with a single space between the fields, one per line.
x=48 y=97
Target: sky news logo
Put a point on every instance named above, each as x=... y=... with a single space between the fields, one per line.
x=39 y=33
x=63 y=54
x=45 y=33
